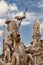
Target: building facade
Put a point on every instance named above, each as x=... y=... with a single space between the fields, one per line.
x=37 y=44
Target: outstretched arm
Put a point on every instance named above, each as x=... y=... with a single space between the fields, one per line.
x=21 y=17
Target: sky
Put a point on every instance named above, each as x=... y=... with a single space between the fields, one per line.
x=10 y=8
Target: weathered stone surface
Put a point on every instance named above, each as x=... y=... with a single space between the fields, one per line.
x=20 y=54
x=37 y=45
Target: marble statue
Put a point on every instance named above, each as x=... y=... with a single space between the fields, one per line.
x=7 y=53
x=13 y=24
x=19 y=54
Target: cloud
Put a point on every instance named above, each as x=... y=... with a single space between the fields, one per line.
x=7 y=11
x=13 y=7
x=6 y=8
x=25 y=23
x=1 y=31
x=2 y=22
x=12 y=15
x=41 y=25
x=3 y=8
x=41 y=5
x=31 y=15
x=28 y=20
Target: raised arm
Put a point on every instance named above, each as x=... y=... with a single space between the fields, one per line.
x=20 y=17
x=23 y=16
